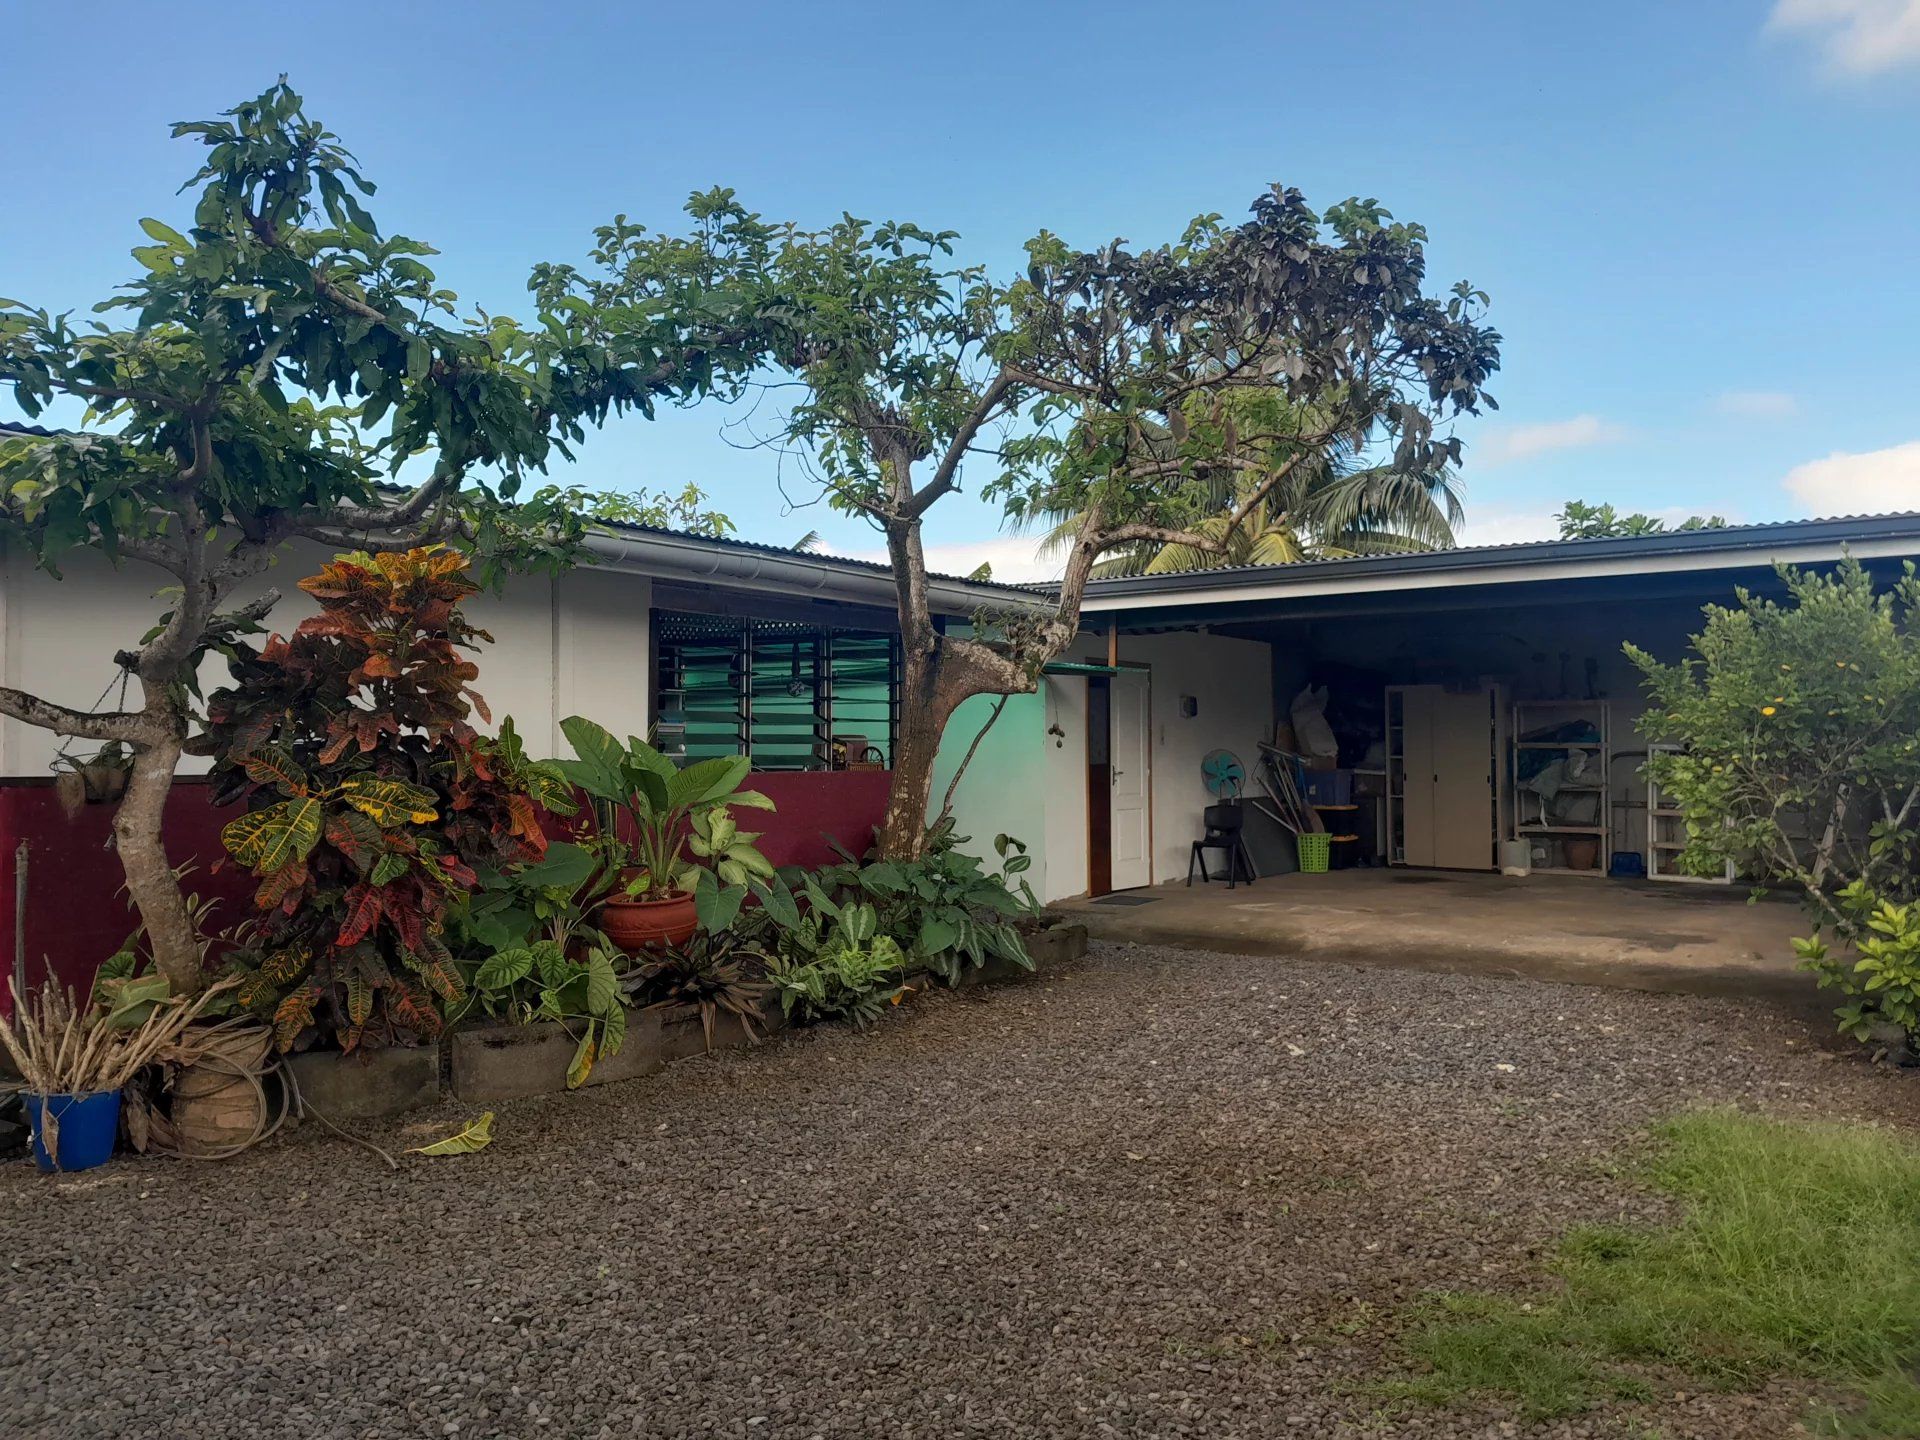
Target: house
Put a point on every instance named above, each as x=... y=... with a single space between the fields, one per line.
x=1480 y=704
x=714 y=646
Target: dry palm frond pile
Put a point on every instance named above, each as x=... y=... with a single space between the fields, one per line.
x=66 y=1047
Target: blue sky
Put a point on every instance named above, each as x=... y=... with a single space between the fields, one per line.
x=1695 y=220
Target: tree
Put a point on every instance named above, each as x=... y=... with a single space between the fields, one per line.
x=1327 y=508
x=1799 y=728
x=1581 y=521
x=1125 y=387
x=273 y=371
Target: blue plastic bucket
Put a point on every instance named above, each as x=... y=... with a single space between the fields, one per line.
x=86 y=1126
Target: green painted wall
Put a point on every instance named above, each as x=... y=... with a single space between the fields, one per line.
x=1004 y=790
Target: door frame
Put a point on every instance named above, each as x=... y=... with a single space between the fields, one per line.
x=1100 y=781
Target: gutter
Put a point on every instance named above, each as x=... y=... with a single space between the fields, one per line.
x=666 y=556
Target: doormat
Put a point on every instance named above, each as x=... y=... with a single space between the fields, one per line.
x=1126 y=900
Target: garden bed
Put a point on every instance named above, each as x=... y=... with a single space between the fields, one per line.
x=368 y=1084
x=489 y=1063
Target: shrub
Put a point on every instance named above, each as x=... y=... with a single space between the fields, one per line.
x=370 y=799
x=944 y=910
x=542 y=981
x=1800 y=728
x=836 y=965
x=718 y=973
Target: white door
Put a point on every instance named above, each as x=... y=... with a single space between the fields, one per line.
x=1132 y=731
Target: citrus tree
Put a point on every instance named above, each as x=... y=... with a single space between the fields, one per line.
x=282 y=368
x=1128 y=388
x=1798 y=727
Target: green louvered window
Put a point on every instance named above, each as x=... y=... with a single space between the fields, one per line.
x=793 y=696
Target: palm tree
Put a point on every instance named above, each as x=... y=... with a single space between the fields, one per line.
x=1326 y=509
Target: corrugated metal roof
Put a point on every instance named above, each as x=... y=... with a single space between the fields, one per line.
x=1838 y=529
x=1010 y=592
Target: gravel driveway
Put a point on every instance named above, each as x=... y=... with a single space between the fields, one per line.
x=1151 y=1193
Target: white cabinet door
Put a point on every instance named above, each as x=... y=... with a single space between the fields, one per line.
x=1132 y=730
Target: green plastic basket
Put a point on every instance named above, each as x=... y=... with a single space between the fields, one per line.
x=1315 y=851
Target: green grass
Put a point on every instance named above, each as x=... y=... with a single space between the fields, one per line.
x=1799 y=1253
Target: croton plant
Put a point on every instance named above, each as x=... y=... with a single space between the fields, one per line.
x=371 y=800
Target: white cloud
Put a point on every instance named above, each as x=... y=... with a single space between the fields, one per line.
x=1504 y=445
x=1013 y=558
x=1868 y=482
x=1855 y=37
x=1757 y=404
x=1508 y=527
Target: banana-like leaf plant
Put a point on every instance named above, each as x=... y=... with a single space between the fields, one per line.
x=649 y=814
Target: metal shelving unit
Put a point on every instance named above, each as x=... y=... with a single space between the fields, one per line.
x=1535 y=747
x=1396 y=819
x=1667 y=837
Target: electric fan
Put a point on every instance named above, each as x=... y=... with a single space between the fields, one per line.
x=1223 y=773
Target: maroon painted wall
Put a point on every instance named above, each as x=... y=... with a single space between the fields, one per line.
x=76 y=915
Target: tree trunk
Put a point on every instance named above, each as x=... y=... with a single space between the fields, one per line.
x=924 y=712
x=137 y=835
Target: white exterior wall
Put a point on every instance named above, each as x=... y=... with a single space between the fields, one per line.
x=575 y=645
x=1232 y=683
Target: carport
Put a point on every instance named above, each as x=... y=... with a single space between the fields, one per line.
x=1485 y=714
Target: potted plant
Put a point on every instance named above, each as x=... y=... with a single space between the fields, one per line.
x=96 y=779
x=647 y=817
x=75 y=1058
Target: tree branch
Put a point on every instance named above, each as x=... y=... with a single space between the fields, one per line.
x=944 y=477
x=126 y=725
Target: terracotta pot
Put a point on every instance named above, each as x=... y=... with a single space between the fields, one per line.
x=1582 y=854
x=636 y=925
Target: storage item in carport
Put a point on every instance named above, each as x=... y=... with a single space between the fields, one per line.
x=1223 y=833
x=1309 y=715
x=1329 y=787
x=1627 y=865
x=1582 y=852
x=1316 y=851
x=1344 y=852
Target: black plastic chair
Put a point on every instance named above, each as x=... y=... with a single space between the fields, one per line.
x=1223 y=824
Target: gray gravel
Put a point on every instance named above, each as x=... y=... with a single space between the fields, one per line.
x=1152 y=1193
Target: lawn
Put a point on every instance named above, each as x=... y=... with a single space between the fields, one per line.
x=1798 y=1253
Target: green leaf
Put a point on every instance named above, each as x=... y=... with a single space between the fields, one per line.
x=271 y=839
x=777 y=900
x=565 y=866
x=883 y=878
x=390 y=867
x=718 y=907
x=476 y=1136
x=859 y=923
x=505 y=969
x=603 y=986
x=707 y=780
x=133 y=1000
x=599 y=768
x=390 y=803
x=936 y=936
